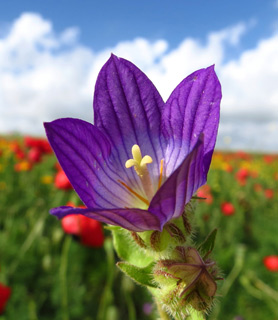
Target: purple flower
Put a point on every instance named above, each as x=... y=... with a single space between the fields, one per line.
x=143 y=159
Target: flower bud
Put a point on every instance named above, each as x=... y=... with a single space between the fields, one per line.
x=186 y=280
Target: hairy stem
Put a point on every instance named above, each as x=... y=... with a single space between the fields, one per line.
x=162 y=314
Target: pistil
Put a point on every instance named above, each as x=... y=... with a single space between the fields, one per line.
x=140 y=166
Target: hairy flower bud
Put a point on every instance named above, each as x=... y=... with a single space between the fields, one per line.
x=189 y=281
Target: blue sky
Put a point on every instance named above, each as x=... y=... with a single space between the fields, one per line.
x=104 y=23
x=51 y=53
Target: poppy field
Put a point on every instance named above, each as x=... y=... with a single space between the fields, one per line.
x=52 y=269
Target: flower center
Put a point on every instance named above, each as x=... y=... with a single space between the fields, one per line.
x=140 y=166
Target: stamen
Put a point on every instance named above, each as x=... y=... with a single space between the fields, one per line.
x=134 y=193
x=161 y=173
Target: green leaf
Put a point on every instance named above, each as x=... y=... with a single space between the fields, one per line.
x=142 y=276
x=127 y=250
x=208 y=244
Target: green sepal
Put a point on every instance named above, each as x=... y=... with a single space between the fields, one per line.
x=165 y=279
x=142 y=276
x=127 y=249
x=111 y=228
x=208 y=245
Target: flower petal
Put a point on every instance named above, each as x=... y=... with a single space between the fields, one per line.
x=192 y=109
x=127 y=107
x=131 y=219
x=170 y=199
x=84 y=154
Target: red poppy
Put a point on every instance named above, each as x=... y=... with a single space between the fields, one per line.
x=5 y=293
x=61 y=181
x=242 y=175
x=271 y=263
x=19 y=153
x=269 y=193
x=45 y=146
x=205 y=192
x=227 y=208
x=34 y=155
x=39 y=143
x=243 y=155
x=88 y=230
x=268 y=158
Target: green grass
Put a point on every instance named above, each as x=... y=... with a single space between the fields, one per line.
x=52 y=276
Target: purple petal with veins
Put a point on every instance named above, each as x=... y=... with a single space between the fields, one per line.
x=178 y=138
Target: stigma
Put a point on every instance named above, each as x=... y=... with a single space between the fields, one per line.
x=140 y=166
x=139 y=163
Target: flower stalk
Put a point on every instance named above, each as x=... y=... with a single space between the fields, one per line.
x=181 y=275
x=163 y=315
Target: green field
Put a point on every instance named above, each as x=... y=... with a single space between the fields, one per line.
x=53 y=276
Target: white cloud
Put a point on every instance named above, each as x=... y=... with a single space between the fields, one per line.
x=250 y=83
x=250 y=98
x=191 y=55
x=45 y=75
